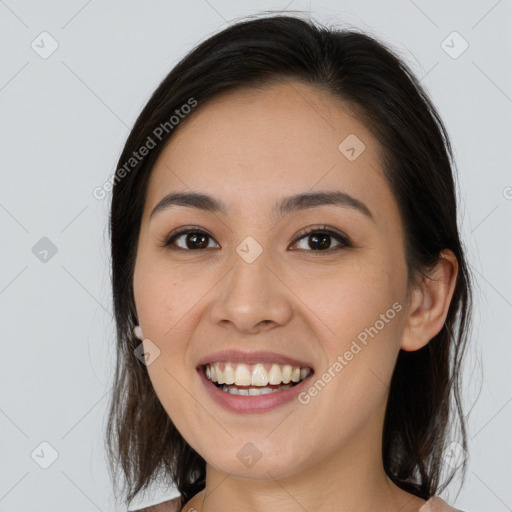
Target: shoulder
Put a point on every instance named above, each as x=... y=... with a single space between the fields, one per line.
x=166 y=506
x=436 y=504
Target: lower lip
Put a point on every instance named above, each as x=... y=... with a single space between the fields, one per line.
x=252 y=404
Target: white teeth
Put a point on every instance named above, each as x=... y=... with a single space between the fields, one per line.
x=242 y=376
x=253 y=391
x=286 y=372
x=219 y=373
x=259 y=376
x=274 y=375
x=229 y=374
x=255 y=375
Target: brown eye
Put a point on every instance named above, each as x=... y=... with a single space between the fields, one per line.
x=320 y=239
x=191 y=240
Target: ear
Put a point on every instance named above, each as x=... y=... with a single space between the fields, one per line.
x=429 y=303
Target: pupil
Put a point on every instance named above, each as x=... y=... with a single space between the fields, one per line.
x=192 y=241
x=324 y=244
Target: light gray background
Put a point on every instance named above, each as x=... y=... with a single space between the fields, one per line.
x=63 y=122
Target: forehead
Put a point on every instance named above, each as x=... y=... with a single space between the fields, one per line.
x=256 y=145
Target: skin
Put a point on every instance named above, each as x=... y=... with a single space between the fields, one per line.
x=250 y=148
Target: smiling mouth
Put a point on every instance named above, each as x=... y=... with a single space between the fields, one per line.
x=256 y=379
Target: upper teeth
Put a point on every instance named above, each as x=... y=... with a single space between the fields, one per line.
x=254 y=375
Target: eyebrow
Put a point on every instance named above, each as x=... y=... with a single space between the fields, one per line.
x=297 y=202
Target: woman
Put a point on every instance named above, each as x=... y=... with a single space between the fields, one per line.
x=291 y=294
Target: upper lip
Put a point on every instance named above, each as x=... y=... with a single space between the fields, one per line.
x=237 y=356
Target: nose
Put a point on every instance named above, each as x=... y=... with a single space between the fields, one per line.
x=252 y=298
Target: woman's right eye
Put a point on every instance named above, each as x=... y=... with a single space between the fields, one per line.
x=190 y=240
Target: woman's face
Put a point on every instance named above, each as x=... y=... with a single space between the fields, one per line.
x=256 y=283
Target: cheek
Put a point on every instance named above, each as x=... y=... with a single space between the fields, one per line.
x=165 y=306
x=351 y=296
x=358 y=313
x=162 y=298
x=363 y=330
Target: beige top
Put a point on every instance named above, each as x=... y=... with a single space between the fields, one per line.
x=434 y=504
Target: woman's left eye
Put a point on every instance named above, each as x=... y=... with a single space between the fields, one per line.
x=319 y=239
x=195 y=239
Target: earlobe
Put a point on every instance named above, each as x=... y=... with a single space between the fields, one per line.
x=137 y=331
x=430 y=302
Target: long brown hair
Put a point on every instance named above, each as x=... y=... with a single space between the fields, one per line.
x=361 y=71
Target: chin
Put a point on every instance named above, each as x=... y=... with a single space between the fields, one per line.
x=255 y=463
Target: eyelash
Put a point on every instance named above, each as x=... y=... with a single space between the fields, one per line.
x=325 y=230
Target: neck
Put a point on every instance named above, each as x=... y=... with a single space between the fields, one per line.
x=349 y=479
